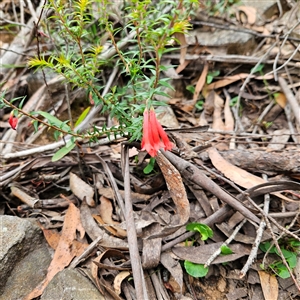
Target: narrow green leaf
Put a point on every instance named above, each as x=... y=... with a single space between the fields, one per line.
x=63 y=151
x=82 y=116
x=258 y=68
x=53 y=120
x=35 y=125
x=149 y=168
x=209 y=79
x=56 y=134
x=191 y=89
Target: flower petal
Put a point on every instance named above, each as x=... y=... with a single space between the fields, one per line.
x=154 y=136
x=13 y=121
x=147 y=140
x=167 y=145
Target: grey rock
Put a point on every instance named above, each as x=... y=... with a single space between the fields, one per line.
x=222 y=42
x=70 y=284
x=24 y=257
x=264 y=9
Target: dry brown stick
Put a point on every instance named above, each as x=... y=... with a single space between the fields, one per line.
x=286 y=231
x=139 y=281
x=193 y=174
x=234 y=59
x=291 y=98
x=159 y=289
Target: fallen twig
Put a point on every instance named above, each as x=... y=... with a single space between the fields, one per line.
x=193 y=174
x=138 y=276
x=259 y=235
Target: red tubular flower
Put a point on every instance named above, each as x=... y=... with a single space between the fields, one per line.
x=13 y=121
x=154 y=136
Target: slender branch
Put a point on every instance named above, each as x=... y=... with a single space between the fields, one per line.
x=138 y=276
x=39 y=120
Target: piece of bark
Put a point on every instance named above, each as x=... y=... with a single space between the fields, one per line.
x=265 y=162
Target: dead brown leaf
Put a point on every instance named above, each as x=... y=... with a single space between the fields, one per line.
x=118 y=281
x=250 y=13
x=52 y=237
x=200 y=254
x=174 y=267
x=200 y=83
x=269 y=285
x=218 y=123
x=226 y=81
x=236 y=174
x=183 y=49
x=281 y=100
x=66 y=249
x=175 y=187
x=106 y=211
x=229 y=120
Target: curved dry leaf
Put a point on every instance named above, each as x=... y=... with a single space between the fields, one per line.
x=65 y=250
x=52 y=237
x=236 y=174
x=118 y=281
x=202 y=120
x=113 y=229
x=281 y=100
x=94 y=231
x=218 y=123
x=106 y=211
x=175 y=187
x=173 y=266
x=200 y=82
x=250 y=12
x=226 y=81
x=183 y=49
x=229 y=120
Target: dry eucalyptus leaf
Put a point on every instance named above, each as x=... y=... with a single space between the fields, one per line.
x=175 y=187
x=118 y=281
x=200 y=254
x=218 y=123
x=269 y=285
x=173 y=266
x=236 y=174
